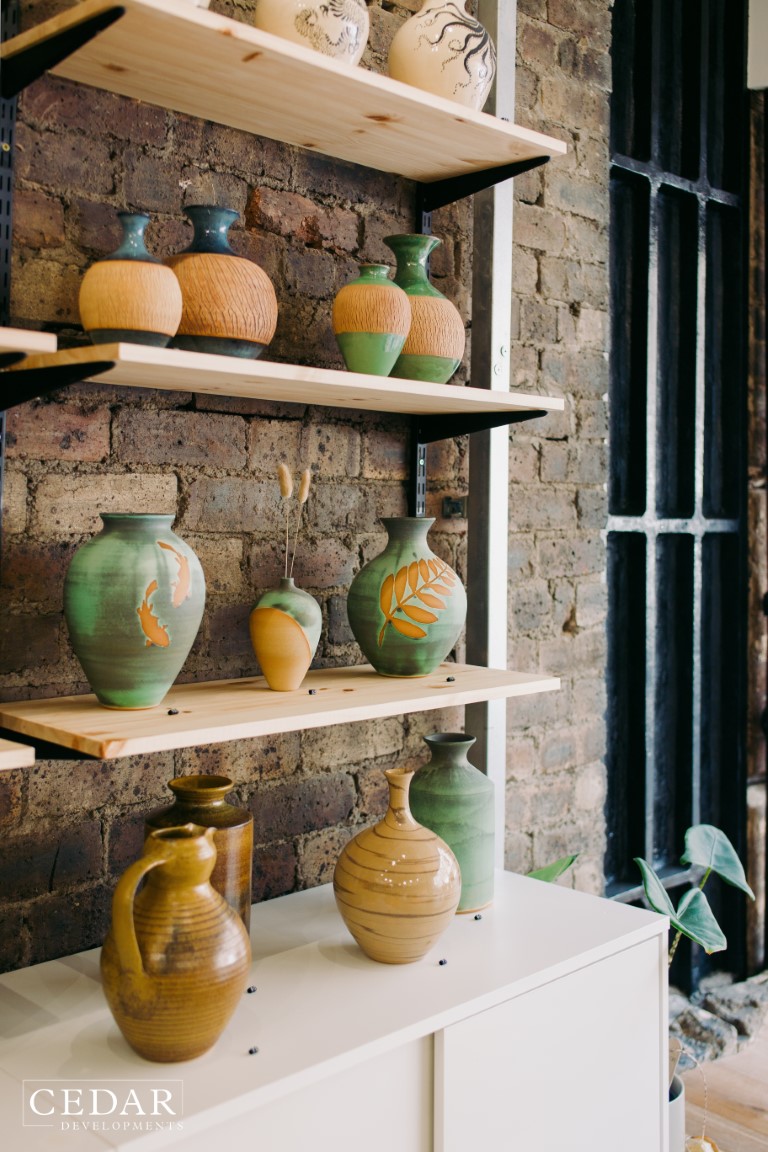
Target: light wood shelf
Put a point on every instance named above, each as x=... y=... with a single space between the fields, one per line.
x=13 y=755
x=140 y=366
x=212 y=713
x=23 y=340
x=193 y=61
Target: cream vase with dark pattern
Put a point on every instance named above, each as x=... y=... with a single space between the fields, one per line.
x=337 y=28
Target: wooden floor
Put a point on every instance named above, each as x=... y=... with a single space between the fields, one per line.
x=737 y=1104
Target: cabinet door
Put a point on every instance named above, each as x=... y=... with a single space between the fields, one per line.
x=577 y=1063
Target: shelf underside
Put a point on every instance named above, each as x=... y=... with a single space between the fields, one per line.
x=13 y=755
x=193 y=61
x=225 y=710
x=139 y=366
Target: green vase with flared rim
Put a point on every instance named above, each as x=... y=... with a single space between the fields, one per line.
x=436 y=340
x=371 y=319
x=133 y=601
x=406 y=607
x=454 y=799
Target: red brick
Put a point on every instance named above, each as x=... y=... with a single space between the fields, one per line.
x=11 y=797
x=68 y=922
x=177 y=438
x=308 y=272
x=290 y=808
x=63 y=104
x=14 y=938
x=97 y=785
x=58 y=160
x=38 y=219
x=45 y=291
x=151 y=181
x=275 y=442
x=50 y=431
x=33 y=572
x=50 y=861
x=318 y=853
x=274 y=870
x=27 y=641
x=125 y=843
x=244 y=761
x=231 y=505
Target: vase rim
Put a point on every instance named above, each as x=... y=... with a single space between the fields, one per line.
x=233 y=212
x=446 y=738
x=428 y=520
x=109 y=517
x=127 y=212
x=203 y=786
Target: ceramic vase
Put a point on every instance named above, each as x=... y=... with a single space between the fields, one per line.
x=444 y=50
x=130 y=295
x=133 y=601
x=397 y=885
x=285 y=630
x=371 y=319
x=436 y=339
x=176 y=960
x=201 y=800
x=230 y=307
x=337 y=28
x=450 y=796
x=406 y=607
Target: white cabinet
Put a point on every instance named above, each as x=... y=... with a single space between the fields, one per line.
x=544 y=1030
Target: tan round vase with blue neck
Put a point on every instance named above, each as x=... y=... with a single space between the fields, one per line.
x=436 y=339
x=406 y=607
x=133 y=601
x=285 y=630
x=371 y=319
x=230 y=307
x=450 y=796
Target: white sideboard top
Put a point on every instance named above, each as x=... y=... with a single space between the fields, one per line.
x=320 y=1005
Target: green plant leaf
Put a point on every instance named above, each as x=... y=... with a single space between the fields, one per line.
x=655 y=892
x=696 y=920
x=708 y=847
x=551 y=872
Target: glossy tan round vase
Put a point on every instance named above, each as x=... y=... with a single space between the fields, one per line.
x=229 y=303
x=371 y=319
x=176 y=959
x=397 y=885
x=337 y=28
x=130 y=296
x=202 y=800
x=436 y=339
x=444 y=50
x=285 y=630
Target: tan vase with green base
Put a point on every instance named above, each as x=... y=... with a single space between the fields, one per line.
x=285 y=630
x=406 y=607
x=176 y=961
x=371 y=319
x=397 y=885
x=436 y=339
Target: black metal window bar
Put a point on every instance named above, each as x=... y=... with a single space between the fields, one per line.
x=676 y=528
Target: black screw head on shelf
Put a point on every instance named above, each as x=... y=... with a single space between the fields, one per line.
x=450 y=679
x=252 y=988
x=478 y=916
x=253 y=1051
x=311 y=691
x=442 y=962
x=173 y=711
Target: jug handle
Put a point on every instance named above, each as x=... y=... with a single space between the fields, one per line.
x=123 y=930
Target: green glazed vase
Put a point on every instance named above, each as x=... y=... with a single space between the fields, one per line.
x=133 y=601
x=406 y=607
x=285 y=631
x=455 y=800
x=371 y=319
x=436 y=339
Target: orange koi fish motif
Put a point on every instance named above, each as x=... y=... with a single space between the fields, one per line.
x=182 y=588
x=427 y=581
x=155 y=632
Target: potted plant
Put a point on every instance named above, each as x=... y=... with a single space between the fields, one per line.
x=708 y=849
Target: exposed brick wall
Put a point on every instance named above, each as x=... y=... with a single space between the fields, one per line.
x=70 y=828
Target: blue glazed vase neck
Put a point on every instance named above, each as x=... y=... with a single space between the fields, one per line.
x=211 y=225
x=132 y=245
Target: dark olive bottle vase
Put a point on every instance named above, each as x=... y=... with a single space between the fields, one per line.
x=201 y=800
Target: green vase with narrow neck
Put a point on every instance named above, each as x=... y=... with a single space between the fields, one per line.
x=456 y=801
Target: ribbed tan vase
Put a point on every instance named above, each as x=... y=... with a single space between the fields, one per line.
x=397 y=885
x=230 y=307
x=371 y=319
x=435 y=344
x=175 y=963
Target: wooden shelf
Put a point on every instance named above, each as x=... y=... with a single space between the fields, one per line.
x=13 y=755
x=215 y=712
x=190 y=60
x=22 y=340
x=139 y=366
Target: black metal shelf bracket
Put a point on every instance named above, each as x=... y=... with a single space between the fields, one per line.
x=44 y=749
x=30 y=383
x=22 y=68
x=429 y=197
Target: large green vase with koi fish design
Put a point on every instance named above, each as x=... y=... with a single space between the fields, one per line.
x=133 y=601
x=406 y=607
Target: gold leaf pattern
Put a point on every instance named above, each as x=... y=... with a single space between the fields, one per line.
x=393 y=598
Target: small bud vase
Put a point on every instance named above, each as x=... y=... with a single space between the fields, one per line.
x=444 y=50
x=130 y=295
x=230 y=307
x=436 y=339
x=133 y=601
x=397 y=885
x=454 y=799
x=406 y=607
x=371 y=319
x=175 y=963
x=201 y=800
x=337 y=28
x=285 y=630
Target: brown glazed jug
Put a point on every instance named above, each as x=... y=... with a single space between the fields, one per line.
x=201 y=800
x=176 y=960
